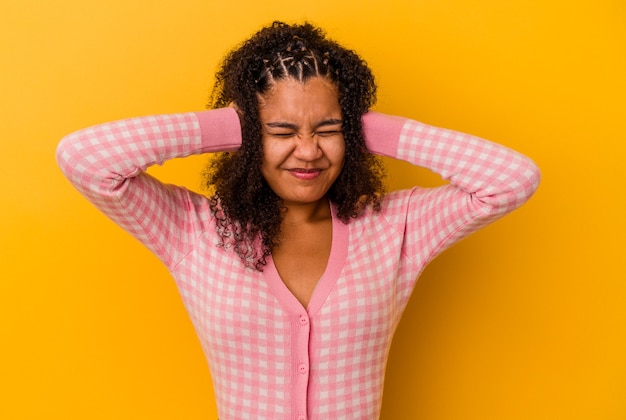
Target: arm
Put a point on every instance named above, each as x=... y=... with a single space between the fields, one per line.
x=106 y=163
x=487 y=181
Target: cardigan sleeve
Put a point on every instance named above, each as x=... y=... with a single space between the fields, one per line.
x=486 y=181
x=107 y=164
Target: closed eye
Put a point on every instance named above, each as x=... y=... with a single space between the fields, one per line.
x=282 y=135
x=328 y=133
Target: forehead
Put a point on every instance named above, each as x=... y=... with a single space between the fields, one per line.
x=291 y=98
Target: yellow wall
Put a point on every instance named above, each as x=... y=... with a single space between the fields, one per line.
x=524 y=320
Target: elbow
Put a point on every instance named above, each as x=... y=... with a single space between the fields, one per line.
x=523 y=186
x=63 y=154
x=71 y=157
x=530 y=179
x=511 y=191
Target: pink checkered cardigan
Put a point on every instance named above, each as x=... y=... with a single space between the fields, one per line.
x=271 y=358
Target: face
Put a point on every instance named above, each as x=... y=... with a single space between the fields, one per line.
x=303 y=146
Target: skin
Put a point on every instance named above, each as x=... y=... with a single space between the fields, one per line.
x=304 y=152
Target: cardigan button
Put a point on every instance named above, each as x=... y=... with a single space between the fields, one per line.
x=303 y=368
x=304 y=320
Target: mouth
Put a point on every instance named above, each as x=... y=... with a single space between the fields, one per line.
x=305 y=174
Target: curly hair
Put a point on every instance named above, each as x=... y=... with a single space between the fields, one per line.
x=248 y=212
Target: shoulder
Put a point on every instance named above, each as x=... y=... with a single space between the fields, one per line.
x=394 y=206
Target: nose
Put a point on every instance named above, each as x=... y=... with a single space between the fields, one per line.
x=307 y=148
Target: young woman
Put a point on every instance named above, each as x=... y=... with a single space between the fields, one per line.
x=296 y=271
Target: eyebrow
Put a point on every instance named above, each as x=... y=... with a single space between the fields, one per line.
x=280 y=124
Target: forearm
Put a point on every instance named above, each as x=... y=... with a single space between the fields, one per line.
x=99 y=159
x=498 y=178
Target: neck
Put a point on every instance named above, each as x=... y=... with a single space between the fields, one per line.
x=297 y=214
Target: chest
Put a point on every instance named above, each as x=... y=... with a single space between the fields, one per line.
x=302 y=258
x=353 y=291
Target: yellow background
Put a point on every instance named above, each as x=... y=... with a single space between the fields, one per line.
x=524 y=320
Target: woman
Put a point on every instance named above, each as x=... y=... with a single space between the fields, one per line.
x=296 y=271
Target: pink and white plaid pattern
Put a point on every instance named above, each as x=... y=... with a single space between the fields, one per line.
x=271 y=358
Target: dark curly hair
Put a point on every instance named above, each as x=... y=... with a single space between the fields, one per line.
x=248 y=212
